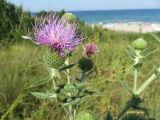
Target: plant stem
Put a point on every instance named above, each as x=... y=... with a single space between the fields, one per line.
x=54 y=83
x=82 y=76
x=68 y=78
x=136 y=62
x=135 y=80
x=71 y=117
x=53 y=74
x=74 y=114
x=148 y=81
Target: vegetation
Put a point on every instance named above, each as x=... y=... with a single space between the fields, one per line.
x=21 y=66
x=13 y=22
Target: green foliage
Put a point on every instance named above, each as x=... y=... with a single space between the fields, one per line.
x=17 y=72
x=13 y=22
x=65 y=67
x=40 y=82
x=43 y=12
x=109 y=116
x=20 y=68
x=42 y=95
x=64 y=88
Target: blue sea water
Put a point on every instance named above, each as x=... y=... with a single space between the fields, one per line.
x=112 y=16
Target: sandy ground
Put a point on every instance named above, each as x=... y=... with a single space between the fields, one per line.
x=132 y=27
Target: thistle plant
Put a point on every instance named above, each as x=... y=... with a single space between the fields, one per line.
x=61 y=37
x=138 y=55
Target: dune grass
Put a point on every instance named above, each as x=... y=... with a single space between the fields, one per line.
x=20 y=65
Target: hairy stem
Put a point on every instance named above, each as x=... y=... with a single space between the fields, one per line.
x=135 y=80
x=69 y=82
x=74 y=114
x=54 y=83
x=53 y=74
x=148 y=81
x=136 y=66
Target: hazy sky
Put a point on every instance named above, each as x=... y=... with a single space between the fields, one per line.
x=37 y=5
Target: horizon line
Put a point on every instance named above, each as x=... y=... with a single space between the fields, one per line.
x=114 y=9
x=97 y=10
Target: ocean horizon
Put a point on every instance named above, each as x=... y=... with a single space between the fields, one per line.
x=118 y=16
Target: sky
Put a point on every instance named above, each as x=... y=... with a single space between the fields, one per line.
x=73 y=5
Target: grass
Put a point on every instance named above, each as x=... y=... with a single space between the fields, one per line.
x=20 y=65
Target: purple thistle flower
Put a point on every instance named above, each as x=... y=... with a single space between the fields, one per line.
x=90 y=49
x=59 y=34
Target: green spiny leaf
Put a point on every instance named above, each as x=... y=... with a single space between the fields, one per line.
x=71 y=101
x=70 y=87
x=42 y=95
x=67 y=67
x=40 y=82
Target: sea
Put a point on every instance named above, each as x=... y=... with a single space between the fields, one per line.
x=117 y=16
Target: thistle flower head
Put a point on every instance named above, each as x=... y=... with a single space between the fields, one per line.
x=53 y=60
x=90 y=49
x=59 y=34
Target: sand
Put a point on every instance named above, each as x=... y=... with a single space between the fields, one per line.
x=132 y=27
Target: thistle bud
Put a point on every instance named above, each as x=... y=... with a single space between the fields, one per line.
x=85 y=64
x=69 y=16
x=84 y=115
x=53 y=60
x=140 y=44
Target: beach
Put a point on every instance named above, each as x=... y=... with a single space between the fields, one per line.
x=146 y=20
x=132 y=27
